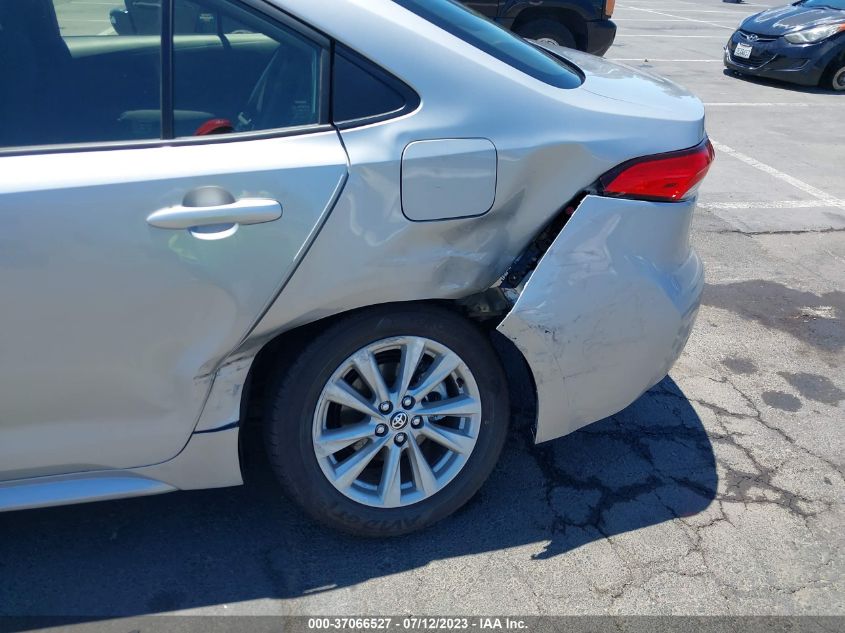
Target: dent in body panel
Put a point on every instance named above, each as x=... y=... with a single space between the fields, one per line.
x=368 y=252
x=223 y=406
x=607 y=311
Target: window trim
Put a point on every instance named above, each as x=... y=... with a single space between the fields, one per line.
x=168 y=70
x=75 y=148
x=260 y=6
x=411 y=97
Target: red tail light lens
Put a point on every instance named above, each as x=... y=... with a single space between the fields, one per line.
x=662 y=177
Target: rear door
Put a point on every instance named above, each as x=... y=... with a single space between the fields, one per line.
x=130 y=266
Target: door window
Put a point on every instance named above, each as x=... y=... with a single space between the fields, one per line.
x=83 y=17
x=74 y=71
x=235 y=71
x=66 y=78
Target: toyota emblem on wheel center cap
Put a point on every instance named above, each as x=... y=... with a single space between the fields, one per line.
x=399 y=420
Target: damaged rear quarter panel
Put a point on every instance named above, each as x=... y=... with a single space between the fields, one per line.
x=608 y=309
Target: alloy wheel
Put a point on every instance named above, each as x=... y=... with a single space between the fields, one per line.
x=396 y=422
x=839 y=79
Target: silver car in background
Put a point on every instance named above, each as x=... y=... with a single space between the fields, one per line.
x=330 y=208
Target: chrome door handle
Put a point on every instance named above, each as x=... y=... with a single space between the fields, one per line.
x=244 y=211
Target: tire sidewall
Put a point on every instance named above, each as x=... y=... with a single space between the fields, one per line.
x=296 y=403
x=548 y=29
x=835 y=66
x=838 y=69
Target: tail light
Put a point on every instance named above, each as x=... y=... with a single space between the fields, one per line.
x=662 y=177
x=609 y=6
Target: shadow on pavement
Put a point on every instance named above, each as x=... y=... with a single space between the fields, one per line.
x=650 y=463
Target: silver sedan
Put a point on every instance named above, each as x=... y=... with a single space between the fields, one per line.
x=340 y=215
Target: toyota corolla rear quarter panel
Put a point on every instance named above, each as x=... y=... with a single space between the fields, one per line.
x=551 y=144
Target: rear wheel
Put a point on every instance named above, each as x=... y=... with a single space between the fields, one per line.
x=546 y=31
x=389 y=421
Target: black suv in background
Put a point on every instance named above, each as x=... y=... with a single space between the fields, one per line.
x=581 y=24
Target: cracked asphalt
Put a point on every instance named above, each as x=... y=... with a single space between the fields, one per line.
x=720 y=491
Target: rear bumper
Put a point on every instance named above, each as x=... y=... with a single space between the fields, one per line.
x=802 y=64
x=600 y=36
x=608 y=309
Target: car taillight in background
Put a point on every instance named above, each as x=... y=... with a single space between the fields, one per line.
x=609 y=6
x=661 y=178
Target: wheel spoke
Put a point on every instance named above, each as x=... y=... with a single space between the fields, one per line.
x=449 y=438
x=334 y=440
x=342 y=393
x=367 y=367
x=439 y=371
x=354 y=442
x=347 y=472
x=424 y=478
x=412 y=354
x=461 y=406
x=390 y=486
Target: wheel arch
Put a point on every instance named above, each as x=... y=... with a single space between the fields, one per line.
x=833 y=65
x=280 y=352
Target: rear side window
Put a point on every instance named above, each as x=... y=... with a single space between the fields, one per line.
x=66 y=77
x=363 y=93
x=453 y=17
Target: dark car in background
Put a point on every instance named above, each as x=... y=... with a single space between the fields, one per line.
x=803 y=43
x=581 y=24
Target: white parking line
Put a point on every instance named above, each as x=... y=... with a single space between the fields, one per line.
x=661 y=20
x=669 y=15
x=776 y=173
x=763 y=204
x=735 y=13
x=663 y=36
x=649 y=60
x=772 y=104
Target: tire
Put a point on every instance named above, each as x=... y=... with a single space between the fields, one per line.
x=834 y=77
x=301 y=416
x=546 y=29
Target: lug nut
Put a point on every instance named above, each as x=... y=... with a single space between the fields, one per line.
x=400 y=439
x=385 y=407
x=381 y=430
x=408 y=402
x=416 y=421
